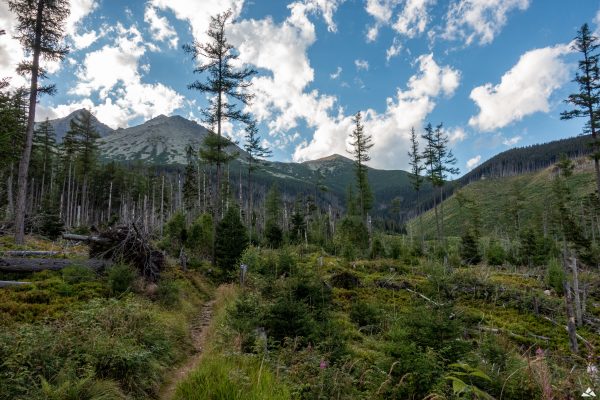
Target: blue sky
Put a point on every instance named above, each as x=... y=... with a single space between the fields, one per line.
x=494 y=72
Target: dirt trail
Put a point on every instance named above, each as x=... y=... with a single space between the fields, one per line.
x=199 y=331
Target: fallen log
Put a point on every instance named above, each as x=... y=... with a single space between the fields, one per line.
x=29 y=253
x=512 y=334
x=43 y=264
x=4 y=284
x=83 y=238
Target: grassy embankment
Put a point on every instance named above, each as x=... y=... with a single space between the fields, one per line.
x=75 y=334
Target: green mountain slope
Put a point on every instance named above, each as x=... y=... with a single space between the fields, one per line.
x=503 y=205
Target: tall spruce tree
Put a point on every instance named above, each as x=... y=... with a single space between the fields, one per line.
x=430 y=163
x=227 y=87
x=361 y=144
x=256 y=152
x=415 y=161
x=190 y=183
x=439 y=162
x=586 y=101
x=40 y=29
x=44 y=152
x=13 y=120
x=445 y=162
x=273 y=231
x=81 y=146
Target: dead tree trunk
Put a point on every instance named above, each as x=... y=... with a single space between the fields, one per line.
x=571 y=326
x=41 y=264
x=576 y=292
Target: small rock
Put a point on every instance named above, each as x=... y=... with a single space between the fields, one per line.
x=547 y=292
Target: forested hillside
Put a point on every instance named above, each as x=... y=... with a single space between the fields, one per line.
x=504 y=206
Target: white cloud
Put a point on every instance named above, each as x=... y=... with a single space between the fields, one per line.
x=410 y=20
x=85 y=40
x=413 y=18
x=390 y=129
x=336 y=74
x=123 y=96
x=122 y=58
x=325 y=7
x=198 y=13
x=597 y=23
x=361 y=65
x=393 y=50
x=456 y=135
x=470 y=20
x=523 y=90
x=280 y=49
x=160 y=28
x=381 y=10
x=473 y=162
x=512 y=141
x=11 y=52
x=79 y=10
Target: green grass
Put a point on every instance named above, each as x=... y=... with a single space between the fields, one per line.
x=233 y=377
x=68 y=336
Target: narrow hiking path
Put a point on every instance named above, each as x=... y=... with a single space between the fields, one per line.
x=198 y=332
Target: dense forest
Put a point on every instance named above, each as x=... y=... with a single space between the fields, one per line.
x=227 y=276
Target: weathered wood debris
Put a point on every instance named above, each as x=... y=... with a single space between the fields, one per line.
x=131 y=245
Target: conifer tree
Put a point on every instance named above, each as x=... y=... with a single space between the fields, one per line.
x=586 y=101
x=351 y=206
x=416 y=169
x=225 y=86
x=255 y=153
x=40 y=29
x=445 y=162
x=44 y=150
x=80 y=145
x=361 y=144
x=429 y=156
x=13 y=121
x=439 y=162
x=273 y=231
x=231 y=240
x=190 y=183
x=298 y=229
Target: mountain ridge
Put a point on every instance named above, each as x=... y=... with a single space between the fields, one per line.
x=62 y=125
x=162 y=142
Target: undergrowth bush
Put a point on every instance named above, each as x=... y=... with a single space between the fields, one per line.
x=169 y=293
x=555 y=276
x=120 y=278
x=127 y=341
x=365 y=315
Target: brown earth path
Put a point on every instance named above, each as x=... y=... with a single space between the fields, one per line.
x=199 y=332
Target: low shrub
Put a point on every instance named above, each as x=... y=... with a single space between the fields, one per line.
x=365 y=314
x=120 y=278
x=495 y=254
x=555 y=276
x=169 y=293
x=77 y=274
